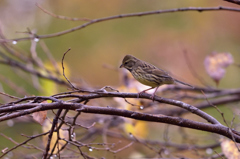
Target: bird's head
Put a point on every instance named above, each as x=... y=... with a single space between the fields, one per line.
x=128 y=62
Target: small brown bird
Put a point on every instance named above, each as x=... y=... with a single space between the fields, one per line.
x=148 y=74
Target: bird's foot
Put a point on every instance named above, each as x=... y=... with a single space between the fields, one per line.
x=140 y=93
x=152 y=97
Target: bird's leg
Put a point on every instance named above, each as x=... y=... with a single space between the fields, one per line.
x=144 y=91
x=153 y=95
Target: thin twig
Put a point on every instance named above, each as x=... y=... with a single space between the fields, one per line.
x=50 y=56
x=20 y=144
x=55 y=120
x=62 y=17
x=139 y=14
x=222 y=114
x=123 y=148
x=64 y=68
x=10 y=96
x=145 y=144
x=233 y=1
x=191 y=68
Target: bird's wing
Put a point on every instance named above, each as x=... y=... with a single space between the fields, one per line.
x=159 y=73
x=151 y=69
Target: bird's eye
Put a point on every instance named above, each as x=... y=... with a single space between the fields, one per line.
x=125 y=63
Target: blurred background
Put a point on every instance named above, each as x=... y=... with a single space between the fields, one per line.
x=97 y=50
x=158 y=39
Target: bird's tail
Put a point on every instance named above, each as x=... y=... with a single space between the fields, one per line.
x=184 y=83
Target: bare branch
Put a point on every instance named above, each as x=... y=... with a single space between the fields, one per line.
x=31 y=138
x=62 y=17
x=198 y=9
x=216 y=127
x=51 y=133
x=64 y=73
x=233 y=1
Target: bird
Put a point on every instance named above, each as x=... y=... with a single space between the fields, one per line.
x=148 y=74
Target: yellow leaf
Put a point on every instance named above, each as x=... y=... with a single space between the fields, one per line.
x=137 y=128
x=50 y=87
x=62 y=134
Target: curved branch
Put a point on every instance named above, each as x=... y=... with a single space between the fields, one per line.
x=199 y=9
x=203 y=105
x=178 y=121
x=23 y=67
x=233 y=1
x=81 y=98
x=180 y=104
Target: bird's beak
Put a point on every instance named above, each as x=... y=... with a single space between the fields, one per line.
x=121 y=66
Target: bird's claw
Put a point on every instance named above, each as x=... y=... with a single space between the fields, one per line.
x=140 y=93
x=152 y=97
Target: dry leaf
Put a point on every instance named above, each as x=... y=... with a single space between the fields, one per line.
x=47 y=125
x=216 y=63
x=40 y=116
x=229 y=149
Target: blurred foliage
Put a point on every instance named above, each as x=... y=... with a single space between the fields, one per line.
x=159 y=39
